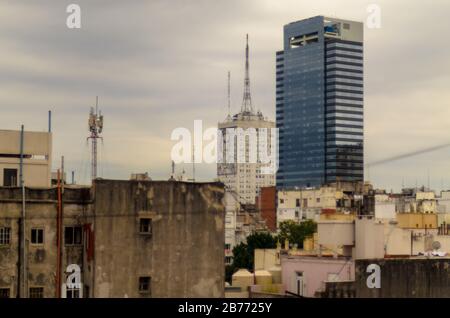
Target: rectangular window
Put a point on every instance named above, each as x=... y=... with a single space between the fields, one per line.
x=73 y=235
x=37 y=236
x=144 y=285
x=5 y=235
x=297 y=202
x=36 y=292
x=72 y=293
x=228 y=260
x=145 y=226
x=10 y=177
x=4 y=293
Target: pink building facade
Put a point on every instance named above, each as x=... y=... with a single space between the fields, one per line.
x=306 y=275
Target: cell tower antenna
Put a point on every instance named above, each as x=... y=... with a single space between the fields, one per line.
x=95 y=128
x=247 y=98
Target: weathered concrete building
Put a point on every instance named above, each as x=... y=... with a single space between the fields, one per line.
x=129 y=239
x=398 y=278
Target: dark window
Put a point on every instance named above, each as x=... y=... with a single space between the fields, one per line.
x=73 y=293
x=37 y=236
x=144 y=285
x=4 y=292
x=86 y=291
x=297 y=202
x=5 y=235
x=10 y=177
x=145 y=226
x=37 y=292
x=73 y=235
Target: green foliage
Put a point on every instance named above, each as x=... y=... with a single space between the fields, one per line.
x=259 y=240
x=296 y=232
x=229 y=271
x=241 y=257
x=243 y=253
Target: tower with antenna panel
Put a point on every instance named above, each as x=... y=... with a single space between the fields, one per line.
x=95 y=128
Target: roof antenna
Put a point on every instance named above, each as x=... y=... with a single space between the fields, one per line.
x=229 y=96
x=247 y=98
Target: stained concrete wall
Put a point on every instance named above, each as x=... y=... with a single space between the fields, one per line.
x=416 y=277
x=41 y=211
x=184 y=256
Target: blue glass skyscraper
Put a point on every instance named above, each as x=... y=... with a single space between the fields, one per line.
x=319 y=103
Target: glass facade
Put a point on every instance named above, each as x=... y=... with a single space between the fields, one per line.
x=319 y=103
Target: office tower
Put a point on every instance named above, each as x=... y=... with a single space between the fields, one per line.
x=319 y=102
x=245 y=178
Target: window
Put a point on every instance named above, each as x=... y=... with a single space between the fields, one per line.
x=318 y=200
x=73 y=293
x=86 y=291
x=5 y=235
x=144 y=285
x=227 y=246
x=37 y=292
x=281 y=201
x=145 y=226
x=228 y=260
x=4 y=292
x=73 y=235
x=297 y=202
x=10 y=177
x=37 y=236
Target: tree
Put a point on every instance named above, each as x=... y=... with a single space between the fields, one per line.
x=259 y=240
x=295 y=232
x=243 y=253
x=241 y=257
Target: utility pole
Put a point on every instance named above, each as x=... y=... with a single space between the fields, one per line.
x=229 y=96
x=23 y=228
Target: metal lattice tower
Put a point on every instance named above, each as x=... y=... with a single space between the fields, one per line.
x=247 y=99
x=95 y=127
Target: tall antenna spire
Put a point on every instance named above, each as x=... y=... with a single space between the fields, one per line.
x=247 y=99
x=229 y=96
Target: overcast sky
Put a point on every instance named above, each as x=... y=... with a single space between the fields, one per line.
x=158 y=65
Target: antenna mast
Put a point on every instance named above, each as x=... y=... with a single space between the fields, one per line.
x=247 y=99
x=229 y=95
x=95 y=128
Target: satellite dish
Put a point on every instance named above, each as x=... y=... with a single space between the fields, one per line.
x=436 y=245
